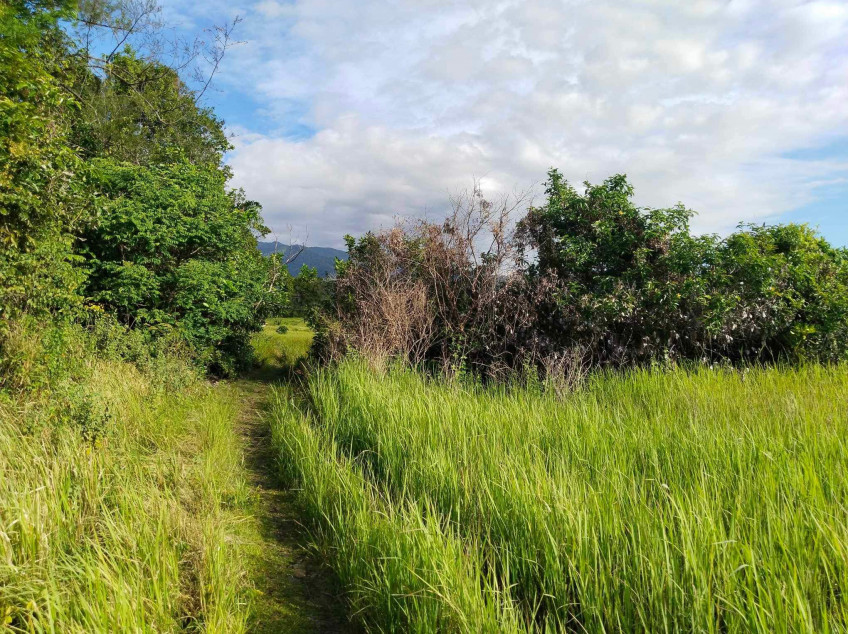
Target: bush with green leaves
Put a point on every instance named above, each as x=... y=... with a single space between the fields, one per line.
x=139 y=111
x=628 y=284
x=786 y=294
x=309 y=291
x=173 y=249
x=40 y=196
x=621 y=282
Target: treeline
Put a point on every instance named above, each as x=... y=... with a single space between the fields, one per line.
x=586 y=279
x=114 y=198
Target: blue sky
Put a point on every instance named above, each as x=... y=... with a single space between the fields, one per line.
x=828 y=211
x=346 y=114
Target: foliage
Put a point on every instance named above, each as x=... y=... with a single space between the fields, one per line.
x=650 y=500
x=621 y=282
x=39 y=189
x=110 y=167
x=587 y=279
x=630 y=284
x=140 y=111
x=786 y=290
x=309 y=292
x=173 y=249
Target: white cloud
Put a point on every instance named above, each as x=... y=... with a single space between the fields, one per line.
x=696 y=101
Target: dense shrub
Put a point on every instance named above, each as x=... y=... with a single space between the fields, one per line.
x=139 y=111
x=587 y=279
x=620 y=282
x=630 y=285
x=173 y=249
x=786 y=294
x=307 y=292
x=39 y=196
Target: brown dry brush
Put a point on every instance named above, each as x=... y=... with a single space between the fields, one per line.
x=453 y=294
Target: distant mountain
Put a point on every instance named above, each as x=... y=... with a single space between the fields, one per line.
x=323 y=259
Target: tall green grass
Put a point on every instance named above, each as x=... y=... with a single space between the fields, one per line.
x=404 y=570
x=702 y=500
x=126 y=516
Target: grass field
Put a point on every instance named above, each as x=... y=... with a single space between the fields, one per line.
x=275 y=349
x=707 y=500
x=134 y=522
x=128 y=499
x=704 y=500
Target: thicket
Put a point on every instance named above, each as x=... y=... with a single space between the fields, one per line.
x=113 y=193
x=586 y=279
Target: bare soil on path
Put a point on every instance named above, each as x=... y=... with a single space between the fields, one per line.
x=294 y=591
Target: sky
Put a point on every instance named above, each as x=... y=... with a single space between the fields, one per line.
x=347 y=113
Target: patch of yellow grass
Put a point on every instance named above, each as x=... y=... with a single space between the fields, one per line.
x=279 y=350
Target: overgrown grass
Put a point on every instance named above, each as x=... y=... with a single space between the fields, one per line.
x=404 y=571
x=705 y=500
x=126 y=515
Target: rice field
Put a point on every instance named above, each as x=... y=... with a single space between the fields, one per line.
x=709 y=500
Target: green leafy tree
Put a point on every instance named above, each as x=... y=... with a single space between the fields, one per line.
x=625 y=283
x=628 y=284
x=40 y=183
x=786 y=290
x=309 y=292
x=140 y=111
x=173 y=249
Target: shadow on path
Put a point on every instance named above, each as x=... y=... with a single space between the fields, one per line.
x=294 y=591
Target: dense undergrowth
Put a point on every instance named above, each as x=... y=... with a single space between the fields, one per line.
x=122 y=492
x=682 y=500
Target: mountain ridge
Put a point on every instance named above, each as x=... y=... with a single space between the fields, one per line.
x=322 y=259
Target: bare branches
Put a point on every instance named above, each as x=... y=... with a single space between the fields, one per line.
x=293 y=250
x=425 y=289
x=105 y=27
x=222 y=36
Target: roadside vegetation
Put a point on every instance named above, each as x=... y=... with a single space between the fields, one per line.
x=582 y=419
x=129 y=276
x=570 y=416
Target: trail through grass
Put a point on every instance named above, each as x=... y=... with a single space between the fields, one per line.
x=148 y=501
x=293 y=591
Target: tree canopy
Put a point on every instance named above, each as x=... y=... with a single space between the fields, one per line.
x=113 y=192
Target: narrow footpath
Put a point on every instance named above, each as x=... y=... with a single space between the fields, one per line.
x=294 y=592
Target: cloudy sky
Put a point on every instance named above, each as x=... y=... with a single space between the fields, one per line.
x=348 y=112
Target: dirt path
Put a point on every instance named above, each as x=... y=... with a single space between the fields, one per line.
x=294 y=592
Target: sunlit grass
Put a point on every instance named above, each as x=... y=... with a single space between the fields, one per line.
x=134 y=526
x=404 y=571
x=703 y=500
x=276 y=349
